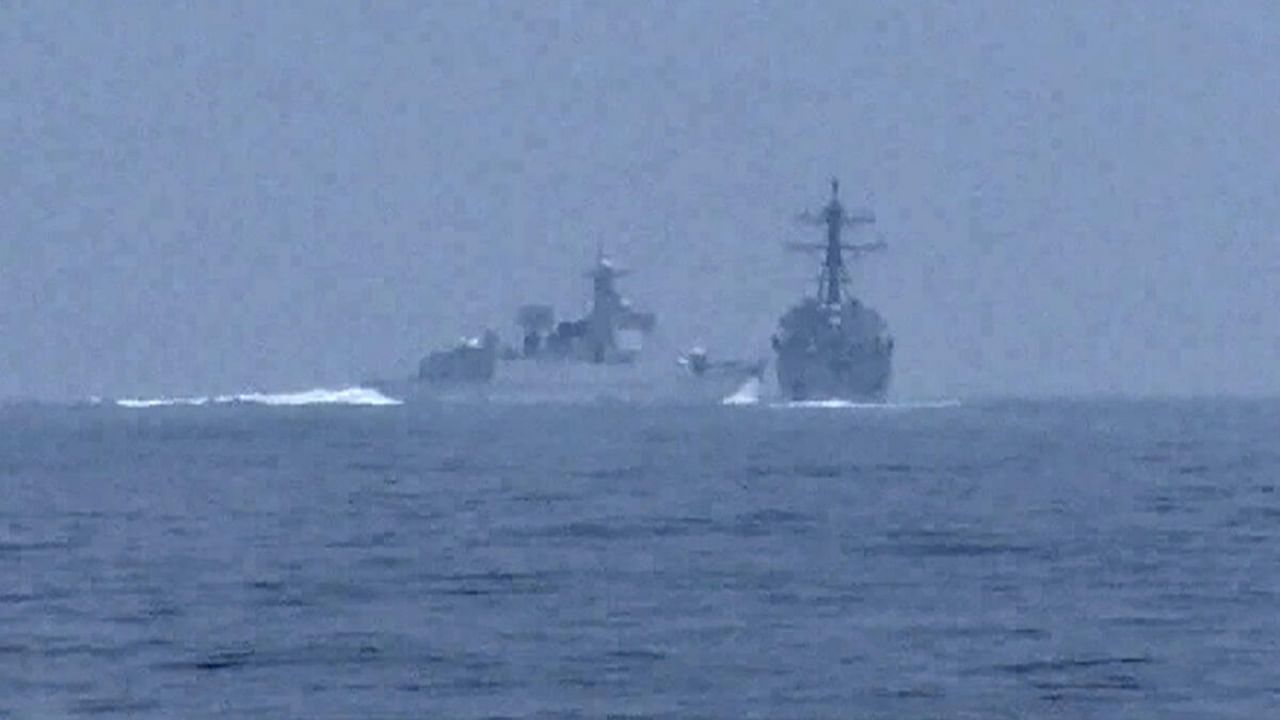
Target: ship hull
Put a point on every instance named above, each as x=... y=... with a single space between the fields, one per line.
x=829 y=352
x=857 y=377
x=524 y=382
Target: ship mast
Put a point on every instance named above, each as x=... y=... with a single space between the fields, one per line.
x=604 y=293
x=833 y=273
x=608 y=309
x=833 y=216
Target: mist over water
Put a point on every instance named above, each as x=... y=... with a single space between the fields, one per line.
x=1078 y=198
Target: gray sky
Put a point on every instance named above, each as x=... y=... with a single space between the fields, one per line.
x=217 y=196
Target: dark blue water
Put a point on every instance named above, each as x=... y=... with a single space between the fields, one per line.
x=1073 y=559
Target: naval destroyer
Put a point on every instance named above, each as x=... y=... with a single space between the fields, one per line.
x=832 y=346
x=604 y=354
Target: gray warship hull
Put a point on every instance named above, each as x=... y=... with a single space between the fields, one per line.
x=545 y=382
x=829 y=352
x=855 y=376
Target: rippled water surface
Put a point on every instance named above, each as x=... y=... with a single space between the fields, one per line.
x=989 y=560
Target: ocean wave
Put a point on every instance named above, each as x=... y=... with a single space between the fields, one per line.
x=317 y=396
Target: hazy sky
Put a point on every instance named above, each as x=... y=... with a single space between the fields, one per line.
x=217 y=196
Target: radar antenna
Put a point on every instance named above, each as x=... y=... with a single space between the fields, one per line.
x=834 y=218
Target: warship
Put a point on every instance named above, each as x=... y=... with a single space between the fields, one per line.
x=604 y=354
x=832 y=346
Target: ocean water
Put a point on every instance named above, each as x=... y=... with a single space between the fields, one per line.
x=981 y=560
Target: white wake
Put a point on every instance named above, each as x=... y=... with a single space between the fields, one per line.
x=317 y=396
x=851 y=405
x=748 y=394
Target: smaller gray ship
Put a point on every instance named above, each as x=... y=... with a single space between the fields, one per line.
x=833 y=346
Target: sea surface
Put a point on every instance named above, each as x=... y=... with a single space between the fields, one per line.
x=1073 y=559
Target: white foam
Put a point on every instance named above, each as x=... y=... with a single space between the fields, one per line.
x=748 y=394
x=851 y=405
x=317 y=396
x=160 y=402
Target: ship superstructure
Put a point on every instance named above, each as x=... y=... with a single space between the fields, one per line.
x=472 y=360
x=611 y=332
x=832 y=345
